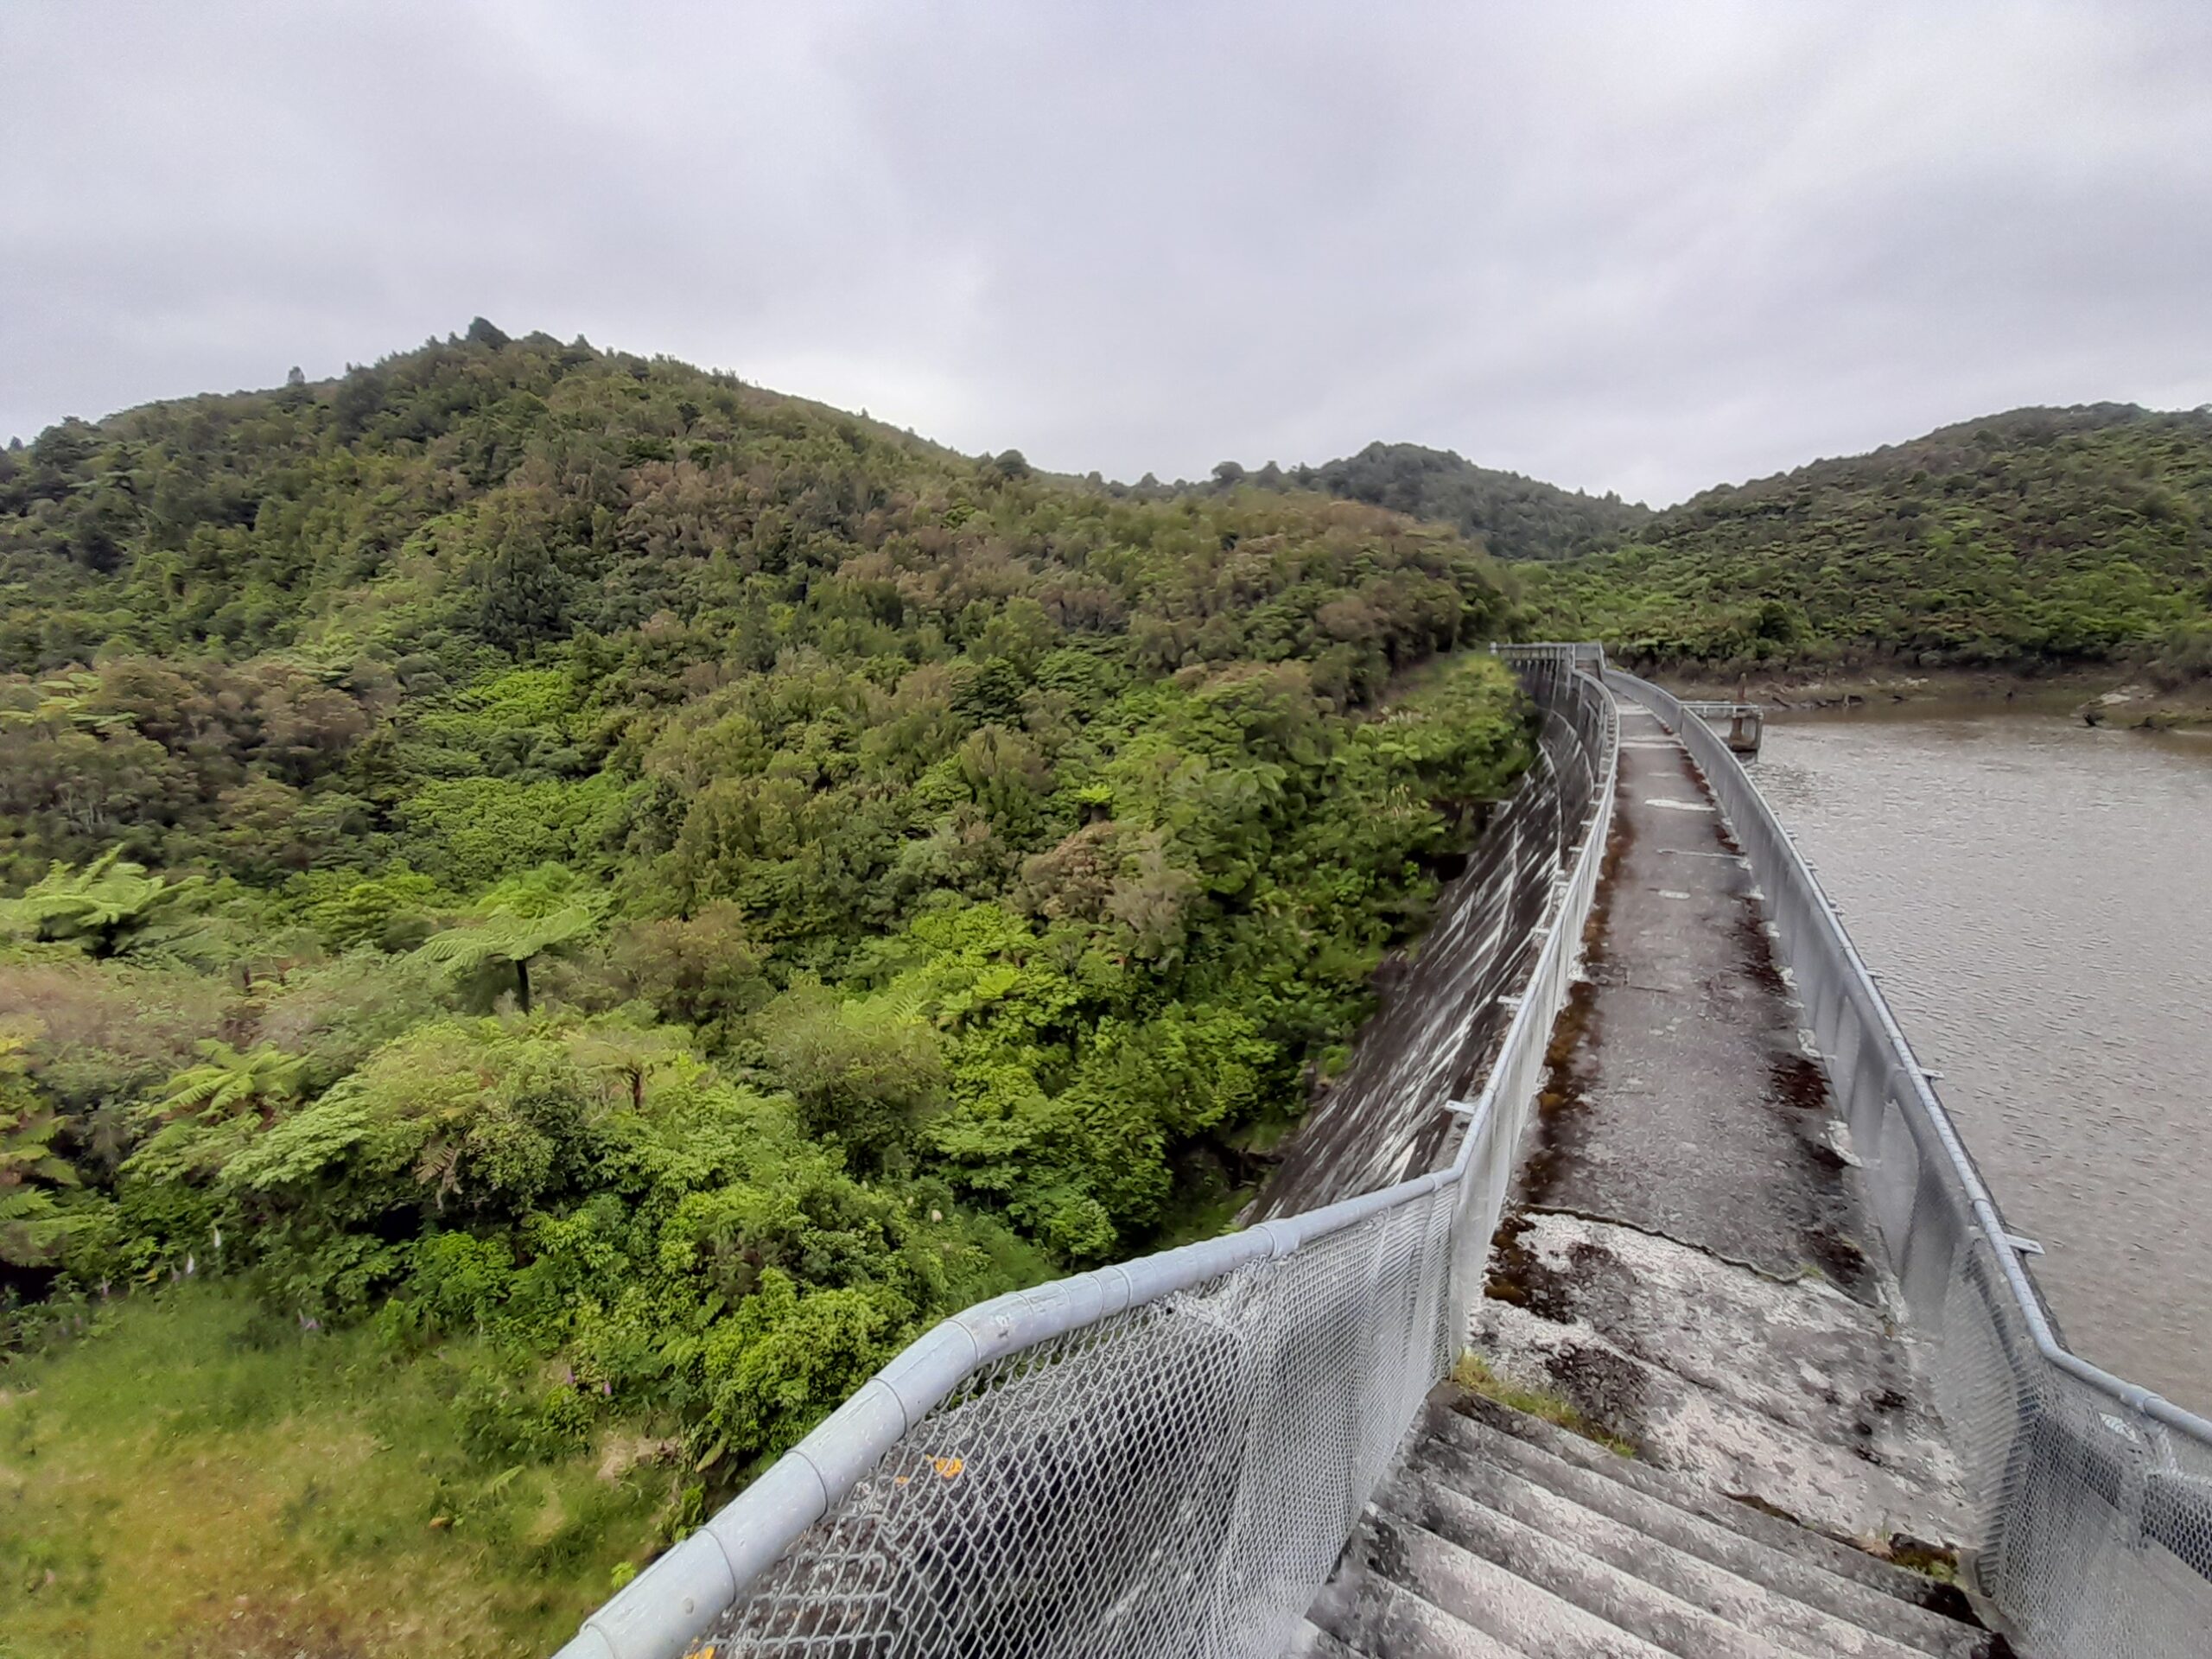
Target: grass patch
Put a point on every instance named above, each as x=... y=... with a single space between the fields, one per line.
x=1929 y=1561
x=197 y=1479
x=1473 y=1373
x=1207 y=1215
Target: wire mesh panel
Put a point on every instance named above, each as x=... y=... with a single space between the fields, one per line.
x=1161 y=1458
x=1173 y=1480
x=1439 y=1030
x=2091 y=1499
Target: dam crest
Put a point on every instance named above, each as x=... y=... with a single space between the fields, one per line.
x=1632 y=1294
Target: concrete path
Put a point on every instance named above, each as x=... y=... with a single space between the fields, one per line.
x=1685 y=1104
x=1690 y=1259
x=1688 y=1272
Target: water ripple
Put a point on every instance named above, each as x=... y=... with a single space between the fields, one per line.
x=2037 y=897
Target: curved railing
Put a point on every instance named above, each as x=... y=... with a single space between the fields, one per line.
x=1159 y=1458
x=2092 y=1497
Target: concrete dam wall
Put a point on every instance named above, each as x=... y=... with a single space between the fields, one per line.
x=1437 y=1033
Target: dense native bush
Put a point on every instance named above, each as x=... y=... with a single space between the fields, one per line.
x=2041 y=537
x=671 y=887
x=1516 y=518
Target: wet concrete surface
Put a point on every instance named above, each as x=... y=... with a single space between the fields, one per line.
x=1792 y=1395
x=1683 y=1260
x=1681 y=1100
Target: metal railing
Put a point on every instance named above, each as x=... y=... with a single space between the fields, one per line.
x=2092 y=1498
x=1159 y=1458
x=1744 y=723
x=1574 y=653
x=1438 y=1033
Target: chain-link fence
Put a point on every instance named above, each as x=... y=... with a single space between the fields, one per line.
x=2092 y=1499
x=1442 y=1026
x=1159 y=1458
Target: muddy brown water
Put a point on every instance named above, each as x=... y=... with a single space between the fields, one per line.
x=2036 y=897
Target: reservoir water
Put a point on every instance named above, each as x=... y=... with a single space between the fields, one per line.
x=2036 y=898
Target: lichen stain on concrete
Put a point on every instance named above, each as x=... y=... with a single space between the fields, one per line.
x=1758 y=965
x=1791 y=1392
x=1841 y=1259
x=1607 y=1389
x=1573 y=1039
x=1796 y=1082
x=1681 y=1261
x=1519 y=1277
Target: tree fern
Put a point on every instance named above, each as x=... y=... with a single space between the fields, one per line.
x=102 y=905
x=514 y=939
x=227 y=1083
x=32 y=1219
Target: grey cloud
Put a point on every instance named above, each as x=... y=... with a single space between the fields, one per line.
x=1644 y=248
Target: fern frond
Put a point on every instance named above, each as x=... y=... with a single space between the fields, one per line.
x=464 y=947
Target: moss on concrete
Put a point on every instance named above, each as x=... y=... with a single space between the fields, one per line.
x=1474 y=1374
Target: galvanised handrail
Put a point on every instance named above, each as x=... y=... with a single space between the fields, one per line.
x=1962 y=1164
x=1573 y=653
x=2078 y=1477
x=682 y=1595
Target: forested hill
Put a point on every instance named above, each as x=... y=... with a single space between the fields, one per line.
x=674 y=885
x=2040 y=536
x=1515 y=518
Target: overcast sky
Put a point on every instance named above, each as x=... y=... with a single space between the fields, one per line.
x=1642 y=248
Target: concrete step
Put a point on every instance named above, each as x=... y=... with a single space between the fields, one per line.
x=1485 y=1602
x=1737 y=1601
x=1674 y=1511
x=1499 y=1536
x=1312 y=1642
x=1562 y=1566
x=1793 y=1393
x=1384 y=1620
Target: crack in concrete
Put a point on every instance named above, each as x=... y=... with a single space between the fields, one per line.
x=1799 y=1281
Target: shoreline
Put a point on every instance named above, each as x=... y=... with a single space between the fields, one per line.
x=2108 y=697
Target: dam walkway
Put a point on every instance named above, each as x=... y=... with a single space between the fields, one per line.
x=1681 y=1322
x=1688 y=1274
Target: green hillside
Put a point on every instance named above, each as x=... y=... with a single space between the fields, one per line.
x=2040 y=538
x=1514 y=518
x=557 y=908
x=636 y=894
